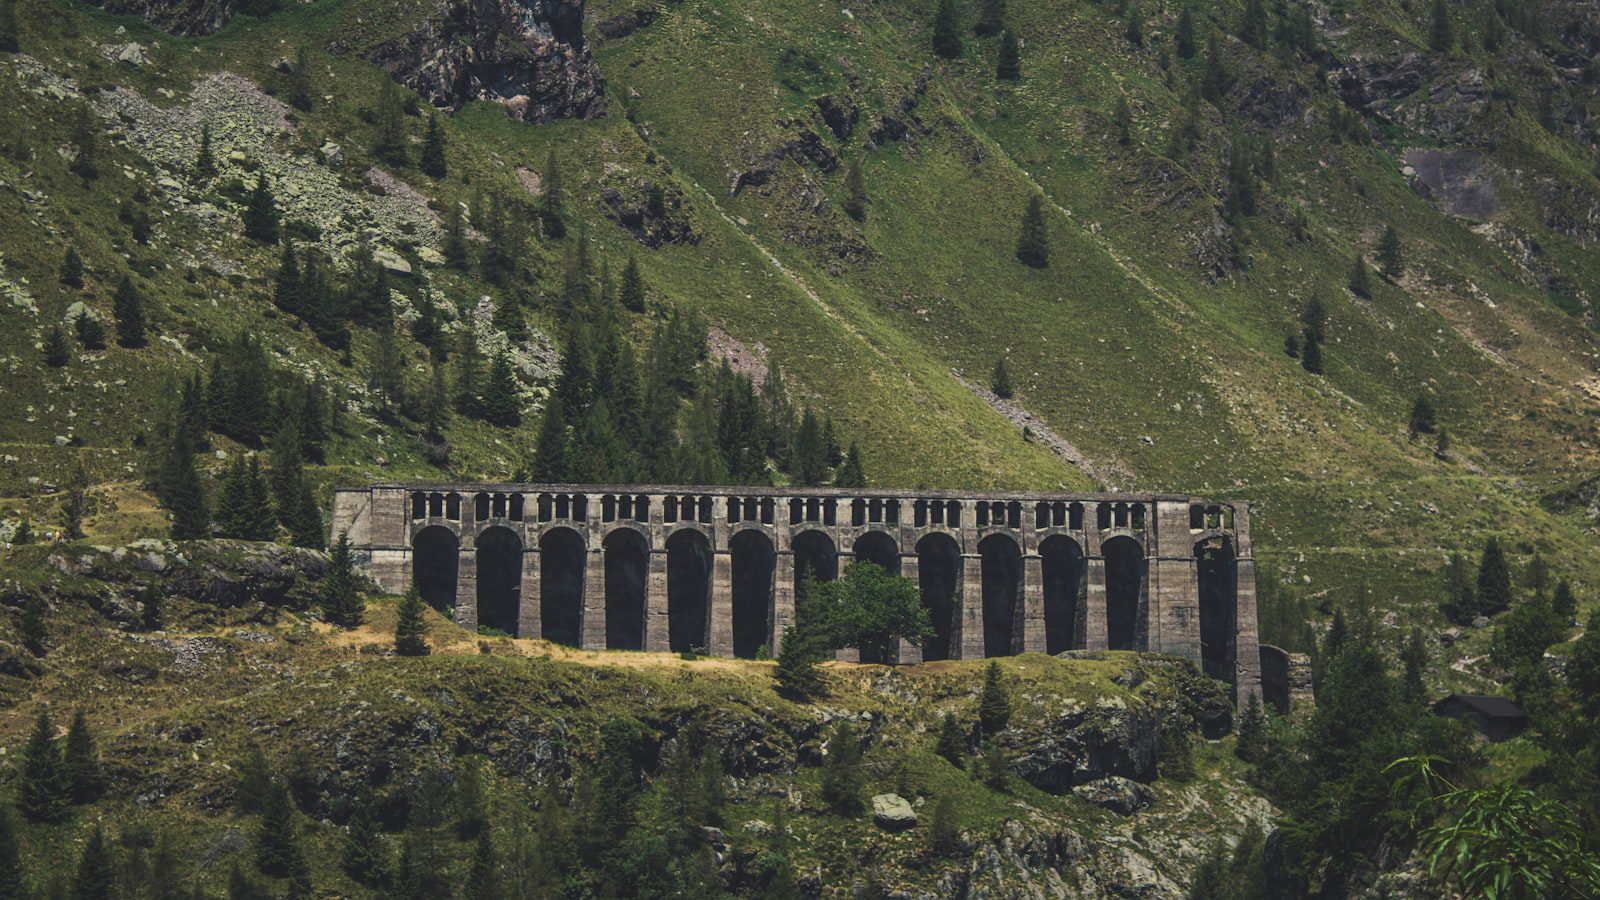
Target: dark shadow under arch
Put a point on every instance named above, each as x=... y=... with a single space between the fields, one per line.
x=1217 y=572
x=1126 y=573
x=938 y=575
x=1002 y=594
x=627 y=573
x=813 y=552
x=878 y=547
x=1062 y=571
x=754 y=562
x=561 y=564
x=499 y=578
x=435 y=559
x=688 y=591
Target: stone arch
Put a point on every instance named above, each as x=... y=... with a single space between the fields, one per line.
x=878 y=547
x=814 y=552
x=939 y=576
x=435 y=560
x=561 y=565
x=1216 y=568
x=1126 y=577
x=627 y=559
x=499 y=557
x=754 y=562
x=1063 y=571
x=688 y=591
x=1001 y=559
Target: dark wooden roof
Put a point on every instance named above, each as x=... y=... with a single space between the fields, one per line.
x=1491 y=707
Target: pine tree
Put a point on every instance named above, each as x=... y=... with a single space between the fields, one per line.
x=261 y=213
x=1423 y=419
x=10 y=42
x=454 y=248
x=1441 y=35
x=366 y=859
x=996 y=770
x=1360 y=279
x=810 y=453
x=1494 y=579
x=181 y=490
x=411 y=628
x=552 y=446
x=11 y=883
x=340 y=593
x=947 y=29
x=1033 y=247
x=1414 y=658
x=57 y=352
x=1311 y=356
x=127 y=306
x=1122 y=117
x=96 y=878
x=277 y=845
x=855 y=187
x=23 y=533
x=1000 y=381
x=299 y=93
x=91 y=334
x=41 y=788
x=150 y=614
x=205 y=160
x=552 y=205
x=81 y=770
x=850 y=473
x=1390 y=260
x=952 y=743
x=305 y=519
x=1252 y=731
x=244 y=508
x=842 y=777
x=481 y=879
x=944 y=834
x=85 y=137
x=1253 y=29
x=502 y=402
x=632 y=294
x=35 y=629
x=1563 y=602
x=1216 y=79
x=991 y=18
x=1008 y=65
x=1184 y=41
x=71 y=272
x=1133 y=27
x=994 y=705
x=389 y=127
x=432 y=162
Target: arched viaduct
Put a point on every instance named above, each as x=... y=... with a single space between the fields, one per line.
x=715 y=569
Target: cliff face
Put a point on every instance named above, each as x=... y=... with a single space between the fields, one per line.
x=526 y=54
x=190 y=17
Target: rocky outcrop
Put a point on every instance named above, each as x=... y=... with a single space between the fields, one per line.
x=900 y=123
x=1120 y=795
x=1113 y=739
x=623 y=24
x=527 y=55
x=655 y=214
x=1459 y=182
x=188 y=17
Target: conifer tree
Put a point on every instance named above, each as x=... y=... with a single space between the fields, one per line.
x=277 y=845
x=1360 y=279
x=150 y=615
x=1311 y=356
x=1562 y=602
x=552 y=205
x=11 y=884
x=34 y=626
x=389 y=127
x=454 y=248
x=1000 y=381
x=1441 y=34
x=96 y=878
x=411 y=628
x=944 y=835
x=365 y=857
x=244 y=507
x=205 y=160
x=23 y=533
x=91 y=334
x=551 y=447
x=1008 y=64
x=1033 y=247
x=855 y=188
x=385 y=375
x=850 y=473
x=181 y=490
x=952 y=743
x=1423 y=419
x=41 y=787
x=127 y=306
x=1253 y=29
x=305 y=519
x=57 y=352
x=1414 y=658
x=81 y=762
x=432 y=161
x=481 y=881
x=1122 y=117
x=947 y=29
x=1217 y=79
x=632 y=295
x=261 y=213
x=253 y=780
x=1133 y=27
x=1184 y=40
x=991 y=18
x=502 y=402
x=340 y=594
x=71 y=272
x=810 y=453
x=299 y=93
x=468 y=361
x=994 y=704
x=85 y=137
x=1390 y=259
x=10 y=40
x=1252 y=731
x=842 y=777
x=1494 y=579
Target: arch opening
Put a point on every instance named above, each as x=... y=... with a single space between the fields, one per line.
x=814 y=553
x=688 y=592
x=627 y=573
x=434 y=566
x=938 y=575
x=1002 y=594
x=754 y=562
x=879 y=549
x=1062 y=570
x=561 y=563
x=499 y=579
x=1217 y=572
x=1126 y=576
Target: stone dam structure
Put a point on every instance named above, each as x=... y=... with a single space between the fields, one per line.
x=715 y=570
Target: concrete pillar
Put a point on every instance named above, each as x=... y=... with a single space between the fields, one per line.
x=906 y=652
x=593 y=627
x=721 y=618
x=1094 y=605
x=1175 y=607
x=467 y=587
x=1247 y=646
x=845 y=654
x=971 y=606
x=657 y=633
x=1032 y=604
x=528 y=620
x=782 y=598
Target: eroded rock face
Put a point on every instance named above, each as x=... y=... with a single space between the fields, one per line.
x=190 y=17
x=1088 y=746
x=528 y=55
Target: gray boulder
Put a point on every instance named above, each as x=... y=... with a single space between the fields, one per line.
x=1122 y=796
x=893 y=813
